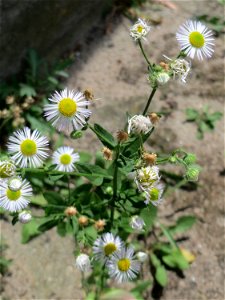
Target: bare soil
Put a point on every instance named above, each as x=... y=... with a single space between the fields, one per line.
x=112 y=66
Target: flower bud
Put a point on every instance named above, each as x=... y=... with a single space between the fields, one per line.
x=122 y=136
x=190 y=159
x=109 y=190
x=142 y=256
x=15 y=184
x=173 y=159
x=83 y=220
x=100 y=224
x=150 y=159
x=162 y=78
x=7 y=168
x=70 y=211
x=192 y=173
x=10 y=100
x=139 y=124
x=83 y=263
x=76 y=134
x=137 y=223
x=24 y=217
x=107 y=153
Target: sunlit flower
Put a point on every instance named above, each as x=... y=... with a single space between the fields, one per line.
x=64 y=159
x=28 y=149
x=68 y=110
x=122 y=266
x=139 y=30
x=195 y=39
x=105 y=245
x=137 y=223
x=15 y=200
x=146 y=176
x=154 y=194
x=83 y=263
x=24 y=217
x=7 y=168
x=139 y=124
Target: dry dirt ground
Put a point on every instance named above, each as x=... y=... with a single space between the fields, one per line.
x=112 y=66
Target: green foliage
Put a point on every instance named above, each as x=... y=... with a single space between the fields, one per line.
x=217 y=24
x=205 y=121
x=4 y=262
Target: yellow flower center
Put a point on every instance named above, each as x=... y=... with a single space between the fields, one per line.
x=109 y=249
x=123 y=264
x=196 y=39
x=28 y=147
x=65 y=159
x=154 y=194
x=139 y=28
x=13 y=196
x=67 y=107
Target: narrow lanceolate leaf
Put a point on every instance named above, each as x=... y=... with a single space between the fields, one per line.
x=183 y=224
x=161 y=276
x=104 y=136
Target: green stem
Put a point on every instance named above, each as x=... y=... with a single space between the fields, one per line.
x=68 y=178
x=149 y=101
x=145 y=56
x=114 y=186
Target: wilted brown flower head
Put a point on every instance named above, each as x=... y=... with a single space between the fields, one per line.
x=107 y=153
x=100 y=224
x=154 y=118
x=150 y=158
x=70 y=211
x=122 y=136
x=83 y=220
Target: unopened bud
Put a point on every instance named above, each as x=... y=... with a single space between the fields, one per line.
x=10 y=99
x=109 y=190
x=137 y=223
x=25 y=105
x=107 y=153
x=76 y=134
x=122 y=136
x=99 y=225
x=190 y=159
x=7 y=168
x=15 y=184
x=24 y=217
x=83 y=263
x=162 y=78
x=142 y=256
x=83 y=220
x=150 y=159
x=192 y=173
x=70 y=211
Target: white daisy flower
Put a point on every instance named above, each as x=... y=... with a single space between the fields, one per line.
x=137 y=223
x=83 y=263
x=15 y=200
x=139 y=30
x=195 y=39
x=146 y=176
x=29 y=149
x=64 y=159
x=139 y=124
x=24 y=217
x=122 y=266
x=7 y=168
x=68 y=110
x=154 y=194
x=105 y=245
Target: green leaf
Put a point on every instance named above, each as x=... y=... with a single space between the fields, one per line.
x=215 y=116
x=27 y=90
x=91 y=234
x=30 y=230
x=39 y=124
x=155 y=261
x=62 y=73
x=168 y=235
x=61 y=228
x=53 y=198
x=176 y=260
x=104 y=136
x=191 y=114
x=55 y=177
x=161 y=276
x=149 y=214
x=85 y=157
x=48 y=225
x=141 y=286
x=38 y=200
x=53 y=80
x=183 y=224
x=75 y=225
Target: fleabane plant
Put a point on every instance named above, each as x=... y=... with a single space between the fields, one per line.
x=105 y=204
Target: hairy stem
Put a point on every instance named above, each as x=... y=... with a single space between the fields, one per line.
x=144 y=54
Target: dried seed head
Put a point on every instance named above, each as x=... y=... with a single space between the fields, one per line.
x=10 y=99
x=154 y=118
x=164 y=65
x=88 y=94
x=83 y=220
x=107 y=153
x=25 y=105
x=150 y=158
x=5 y=113
x=70 y=211
x=29 y=100
x=100 y=224
x=122 y=136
